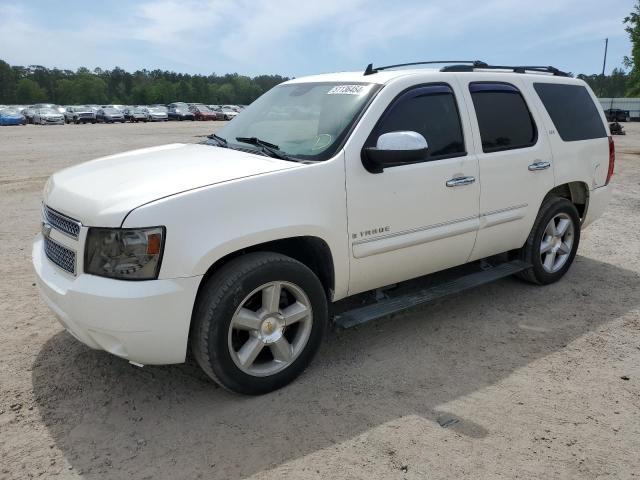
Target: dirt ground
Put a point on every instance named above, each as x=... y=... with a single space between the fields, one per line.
x=506 y=381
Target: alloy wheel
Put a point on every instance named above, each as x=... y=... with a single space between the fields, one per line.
x=270 y=328
x=557 y=242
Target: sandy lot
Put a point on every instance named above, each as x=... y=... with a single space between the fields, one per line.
x=527 y=381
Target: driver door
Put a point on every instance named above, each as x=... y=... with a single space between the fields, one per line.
x=411 y=220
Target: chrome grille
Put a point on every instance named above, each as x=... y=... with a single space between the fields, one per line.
x=62 y=223
x=61 y=256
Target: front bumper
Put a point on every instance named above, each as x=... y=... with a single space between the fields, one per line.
x=145 y=322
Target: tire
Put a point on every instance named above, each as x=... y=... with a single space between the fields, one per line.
x=561 y=247
x=216 y=341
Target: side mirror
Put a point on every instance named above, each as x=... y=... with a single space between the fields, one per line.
x=394 y=149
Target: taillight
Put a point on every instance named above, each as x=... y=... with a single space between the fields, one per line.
x=612 y=160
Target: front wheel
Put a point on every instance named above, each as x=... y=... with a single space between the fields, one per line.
x=552 y=243
x=258 y=322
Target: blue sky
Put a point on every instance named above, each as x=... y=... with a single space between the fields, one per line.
x=298 y=37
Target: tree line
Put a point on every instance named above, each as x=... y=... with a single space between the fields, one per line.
x=35 y=84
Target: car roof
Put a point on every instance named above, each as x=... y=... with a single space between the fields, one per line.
x=386 y=76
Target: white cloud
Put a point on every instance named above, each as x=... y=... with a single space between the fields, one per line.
x=295 y=37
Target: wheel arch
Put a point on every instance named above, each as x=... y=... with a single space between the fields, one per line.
x=312 y=251
x=576 y=192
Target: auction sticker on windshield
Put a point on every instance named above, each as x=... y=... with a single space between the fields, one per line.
x=349 y=90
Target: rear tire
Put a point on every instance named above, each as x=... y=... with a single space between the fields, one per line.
x=258 y=322
x=552 y=243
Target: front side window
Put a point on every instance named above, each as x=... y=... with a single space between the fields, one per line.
x=431 y=111
x=503 y=117
x=572 y=111
x=308 y=121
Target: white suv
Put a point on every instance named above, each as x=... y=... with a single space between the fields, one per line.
x=323 y=188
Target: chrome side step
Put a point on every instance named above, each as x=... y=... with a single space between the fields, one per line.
x=388 y=306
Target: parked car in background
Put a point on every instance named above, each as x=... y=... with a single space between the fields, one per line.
x=202 y=112
x=44 y=105
x=11 y=116
x=135 y=114
x=28 y=113
x=117 y=107
x=48 y=116
x=79 y=114
x=228 y=112
x=109 y=115
x=218 y=110
x=178 y=112
x=617 y=115
x=157 y=113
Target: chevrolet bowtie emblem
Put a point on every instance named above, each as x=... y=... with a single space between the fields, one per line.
x=46 y=229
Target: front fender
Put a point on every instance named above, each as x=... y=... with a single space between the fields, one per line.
x=206 y=224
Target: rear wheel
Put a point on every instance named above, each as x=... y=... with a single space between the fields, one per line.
x=552 y=243
x=258 y=322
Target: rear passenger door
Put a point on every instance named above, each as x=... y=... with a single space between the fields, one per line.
x=514 y=158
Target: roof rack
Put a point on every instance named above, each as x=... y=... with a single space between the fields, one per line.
x=370 y=70
x=515 y=69
x=472 y=65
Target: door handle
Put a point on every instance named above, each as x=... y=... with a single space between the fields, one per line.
x=460 y=181
x=539 y=166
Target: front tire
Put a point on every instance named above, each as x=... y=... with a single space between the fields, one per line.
x=552 y=243
x=258 y=322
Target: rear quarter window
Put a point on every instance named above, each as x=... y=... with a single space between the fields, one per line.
x=572 y=111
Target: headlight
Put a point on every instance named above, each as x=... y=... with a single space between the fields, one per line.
x=124 y=253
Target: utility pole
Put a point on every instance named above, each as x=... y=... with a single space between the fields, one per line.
x=606 y=46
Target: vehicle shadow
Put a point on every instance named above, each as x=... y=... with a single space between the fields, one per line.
x=115 y=420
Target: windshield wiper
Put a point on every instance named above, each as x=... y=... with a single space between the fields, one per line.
x=222 y=142
x=269 y=148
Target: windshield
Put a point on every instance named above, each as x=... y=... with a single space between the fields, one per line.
x=112 y=110
x=305 y=120
x=9 y=111
x=49 y=111
x=203 y=108
x=158 y=110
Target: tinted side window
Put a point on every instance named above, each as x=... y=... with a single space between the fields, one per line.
x=572 y=111
x=431 y=111
x=503 y=117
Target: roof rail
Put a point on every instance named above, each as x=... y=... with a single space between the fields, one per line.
x=470 y=66
x=515 y=69
x=370 y=70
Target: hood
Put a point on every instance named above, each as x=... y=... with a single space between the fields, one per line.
x=101 y=192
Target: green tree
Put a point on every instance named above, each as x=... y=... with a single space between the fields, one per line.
x=613 y=85
x=28 y=91
x=632 y=22
x=227 y=93
x=36 y=83
x=7 y=83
